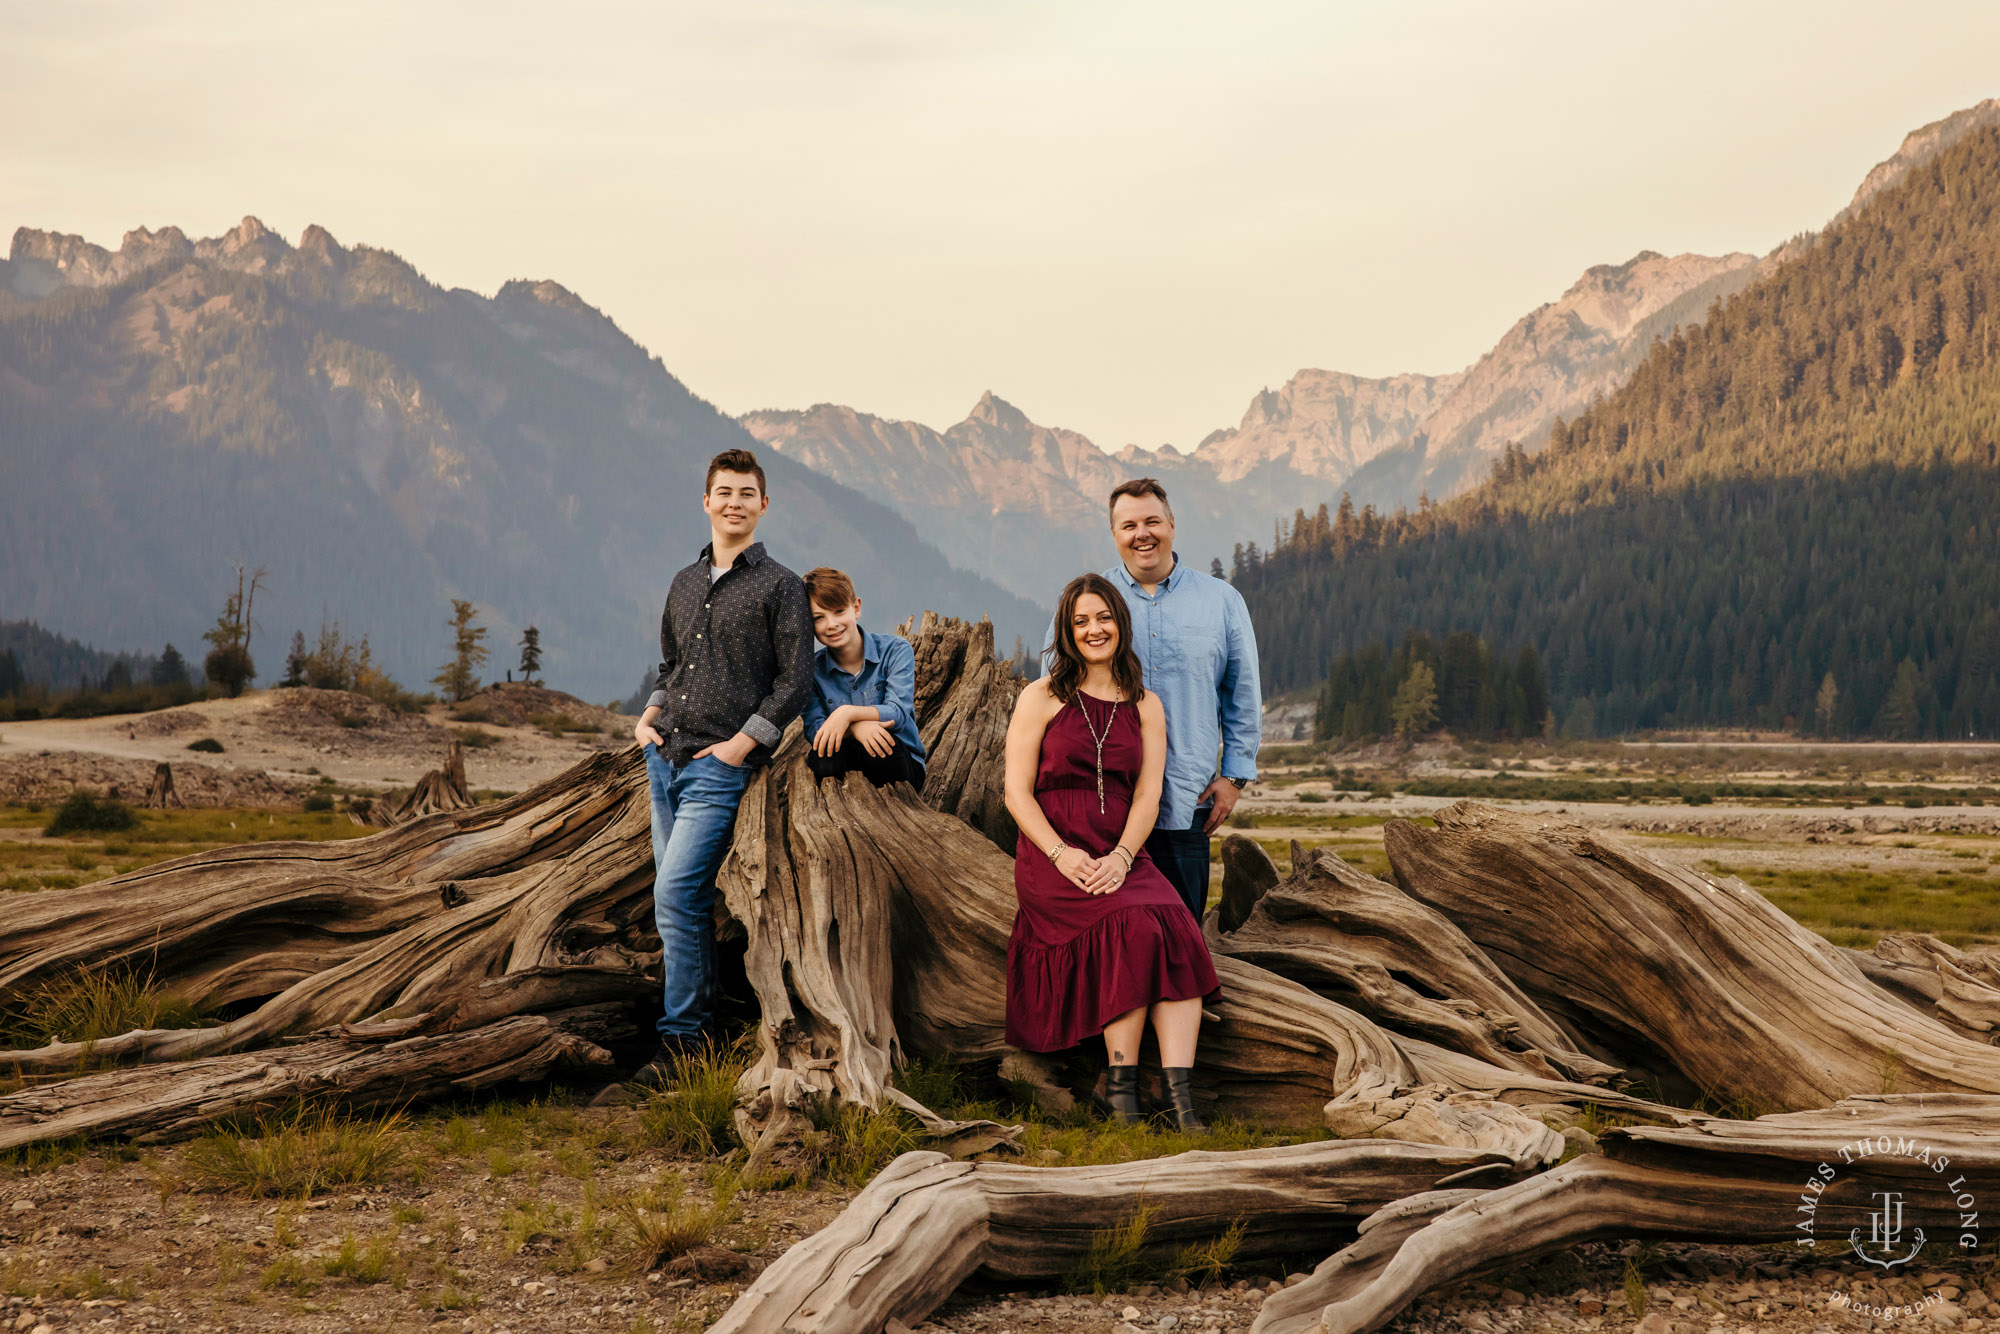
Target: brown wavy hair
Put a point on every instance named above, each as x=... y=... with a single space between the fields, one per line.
x=1064 y=659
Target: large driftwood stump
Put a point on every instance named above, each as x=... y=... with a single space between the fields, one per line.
x=1364 y=942
x=926 y=1224
x=1696 y=980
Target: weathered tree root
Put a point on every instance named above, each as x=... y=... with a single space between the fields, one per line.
x=1365 y=943
x=926 y=1224
x=165 y=1102
x=1698 y=981
x=1702 y=1180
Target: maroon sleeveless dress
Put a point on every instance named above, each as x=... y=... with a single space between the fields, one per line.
x=1077 y=961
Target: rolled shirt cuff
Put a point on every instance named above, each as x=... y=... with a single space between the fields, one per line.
x=1237 y=766
x=657 y=700
x=760 y=730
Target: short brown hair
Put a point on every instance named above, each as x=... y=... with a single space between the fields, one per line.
x=735 y=460
x=829 y=589
x=1141 y=486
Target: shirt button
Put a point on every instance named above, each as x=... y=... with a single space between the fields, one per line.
x=683 y=696
x=697 y=634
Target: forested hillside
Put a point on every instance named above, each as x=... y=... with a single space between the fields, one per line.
x=1789 y=514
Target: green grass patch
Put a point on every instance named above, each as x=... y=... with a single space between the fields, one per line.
x=89 y=1005
x=297 y=1155
x=694 y=1113
x=1859 y=907
x=665 y=1222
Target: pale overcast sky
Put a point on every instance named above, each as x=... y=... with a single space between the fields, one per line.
x=1125 y=218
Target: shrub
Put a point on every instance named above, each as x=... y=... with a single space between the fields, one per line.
x=319 y=801
x=1913 y=803
x=1313 y=798
x=84 y=812
x=208 y=745
x=1698 y=799
x=1116 y=1255
x=474 y=739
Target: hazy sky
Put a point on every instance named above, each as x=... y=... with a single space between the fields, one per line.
x=1125 y=218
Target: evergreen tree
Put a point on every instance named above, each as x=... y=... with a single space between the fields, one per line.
x=118 y=676
x=1215 y=567
x=1415 y=706
x=295 y=662
x=531 y=654
x=459 y=678
x=10 y=674
x=1902 y=712
x=169 y=670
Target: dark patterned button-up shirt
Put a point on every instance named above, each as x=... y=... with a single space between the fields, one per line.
x=735 y=655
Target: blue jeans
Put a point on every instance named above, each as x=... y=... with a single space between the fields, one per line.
x=1182 y=856
x=694 y=814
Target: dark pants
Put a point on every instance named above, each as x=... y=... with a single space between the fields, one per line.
x=1182 y=856
x=898 y=766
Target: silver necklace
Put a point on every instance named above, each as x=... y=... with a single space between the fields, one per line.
x=1098 y=739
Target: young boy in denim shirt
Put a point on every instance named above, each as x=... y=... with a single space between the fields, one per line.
x=862 y=713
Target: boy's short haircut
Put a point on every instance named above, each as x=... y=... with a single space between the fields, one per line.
x=1141 y=486
x=735 y=460
x=829 y=589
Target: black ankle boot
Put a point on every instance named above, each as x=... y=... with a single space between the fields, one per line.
x=1121 y=1090
x=1183 y=1100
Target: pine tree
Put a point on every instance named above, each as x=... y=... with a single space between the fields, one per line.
x=531 y=654
x=170 y=670
x=10 y=674
x=229 y=663
x=1415 y=706
x=295 y=662
x=1901 y=713
x=459 y=678
x=1215 y=567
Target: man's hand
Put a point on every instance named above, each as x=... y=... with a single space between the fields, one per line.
x=876 y=739
x=833 y=731
x=646 y=734
x=733 y=752
x=1223 y=793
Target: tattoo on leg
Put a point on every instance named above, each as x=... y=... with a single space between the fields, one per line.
x=1118 y=1058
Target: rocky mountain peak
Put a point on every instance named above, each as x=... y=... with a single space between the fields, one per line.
x=316 y=243
x=1923 y=143
x=995 y=411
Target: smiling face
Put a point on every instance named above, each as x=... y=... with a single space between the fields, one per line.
x=1143 y=528
x=734 y=503
x=837 y=628
x=1095 y=629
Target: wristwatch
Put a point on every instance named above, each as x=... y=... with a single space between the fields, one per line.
x=1240 y=783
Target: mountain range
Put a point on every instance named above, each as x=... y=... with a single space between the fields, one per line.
x=1023 y=503
x=382 y=445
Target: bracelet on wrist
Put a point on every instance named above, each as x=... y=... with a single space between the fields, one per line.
x=1129 y=858
x=1057 y=851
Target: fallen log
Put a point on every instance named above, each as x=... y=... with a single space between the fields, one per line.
x=927 y=1224
x=1695 y=981
x=167 y=1102
x=1704 y=1179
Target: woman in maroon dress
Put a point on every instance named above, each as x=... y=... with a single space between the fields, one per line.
x=1101 y=939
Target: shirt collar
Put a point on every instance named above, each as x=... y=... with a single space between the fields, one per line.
x=871 y=651
x=1167 y=584
x=750 y=555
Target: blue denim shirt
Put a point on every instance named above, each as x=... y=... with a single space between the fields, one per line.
x=1195 y=642
x=887 y=680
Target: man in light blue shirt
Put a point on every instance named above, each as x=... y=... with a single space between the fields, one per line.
x=1193 y=636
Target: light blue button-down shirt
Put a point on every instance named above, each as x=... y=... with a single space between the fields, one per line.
x=1193 y=637
x=887 y=680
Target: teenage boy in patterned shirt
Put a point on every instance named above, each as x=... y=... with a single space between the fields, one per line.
x=735 y=667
